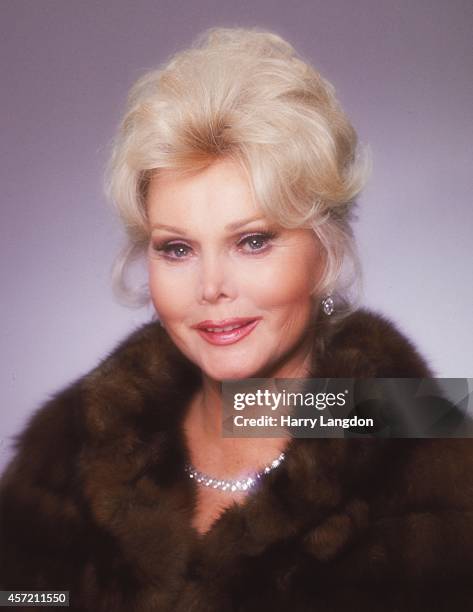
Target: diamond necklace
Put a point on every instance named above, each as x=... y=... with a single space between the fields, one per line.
x=242 y=484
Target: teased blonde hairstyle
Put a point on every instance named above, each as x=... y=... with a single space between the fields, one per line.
x=244 y=95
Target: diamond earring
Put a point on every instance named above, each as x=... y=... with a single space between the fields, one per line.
x=328 y=305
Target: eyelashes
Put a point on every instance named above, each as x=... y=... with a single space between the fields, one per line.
x=251 y=243
x=257 y=241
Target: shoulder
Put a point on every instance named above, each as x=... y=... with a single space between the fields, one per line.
x=41 y=482
x=369 y=345
x=144 y=370
x=77 y=451
x=141 y=360
x=422 y=513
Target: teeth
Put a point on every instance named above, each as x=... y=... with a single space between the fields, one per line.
x=222 y=329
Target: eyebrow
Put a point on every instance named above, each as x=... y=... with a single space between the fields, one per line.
x=229 y=227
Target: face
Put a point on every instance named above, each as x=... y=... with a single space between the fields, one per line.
x=232 y=289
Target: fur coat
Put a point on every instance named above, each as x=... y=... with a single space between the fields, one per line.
x=96 y=501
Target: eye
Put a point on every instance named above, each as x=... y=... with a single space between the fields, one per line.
x=173 y=250
x=256 y=242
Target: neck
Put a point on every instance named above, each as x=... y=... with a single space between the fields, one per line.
x=212 y=453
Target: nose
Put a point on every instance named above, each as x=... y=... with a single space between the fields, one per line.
x=215 y=281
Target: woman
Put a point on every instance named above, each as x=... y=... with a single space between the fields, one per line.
x=234 y=171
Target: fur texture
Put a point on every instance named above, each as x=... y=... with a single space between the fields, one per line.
x=95 y=501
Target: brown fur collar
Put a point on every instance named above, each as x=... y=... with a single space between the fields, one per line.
x=120 y=444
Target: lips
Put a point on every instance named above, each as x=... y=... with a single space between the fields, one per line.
x=226 y=331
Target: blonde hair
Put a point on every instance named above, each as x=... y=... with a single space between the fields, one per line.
x=245 y=95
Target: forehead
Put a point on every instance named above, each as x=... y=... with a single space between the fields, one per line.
x=219 y=194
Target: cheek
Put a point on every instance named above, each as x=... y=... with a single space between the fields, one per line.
x=169 y=290
x=287 y=282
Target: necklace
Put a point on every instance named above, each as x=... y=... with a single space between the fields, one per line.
x=242 y=484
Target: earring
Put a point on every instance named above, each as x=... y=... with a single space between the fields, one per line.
x=328 y=305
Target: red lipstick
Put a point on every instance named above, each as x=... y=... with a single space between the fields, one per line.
x=226 y=331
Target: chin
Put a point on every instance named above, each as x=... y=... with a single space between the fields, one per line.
x=230 y=372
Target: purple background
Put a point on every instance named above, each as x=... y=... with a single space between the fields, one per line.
x=404 y=73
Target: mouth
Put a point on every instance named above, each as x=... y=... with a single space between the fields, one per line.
x=227 y=331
